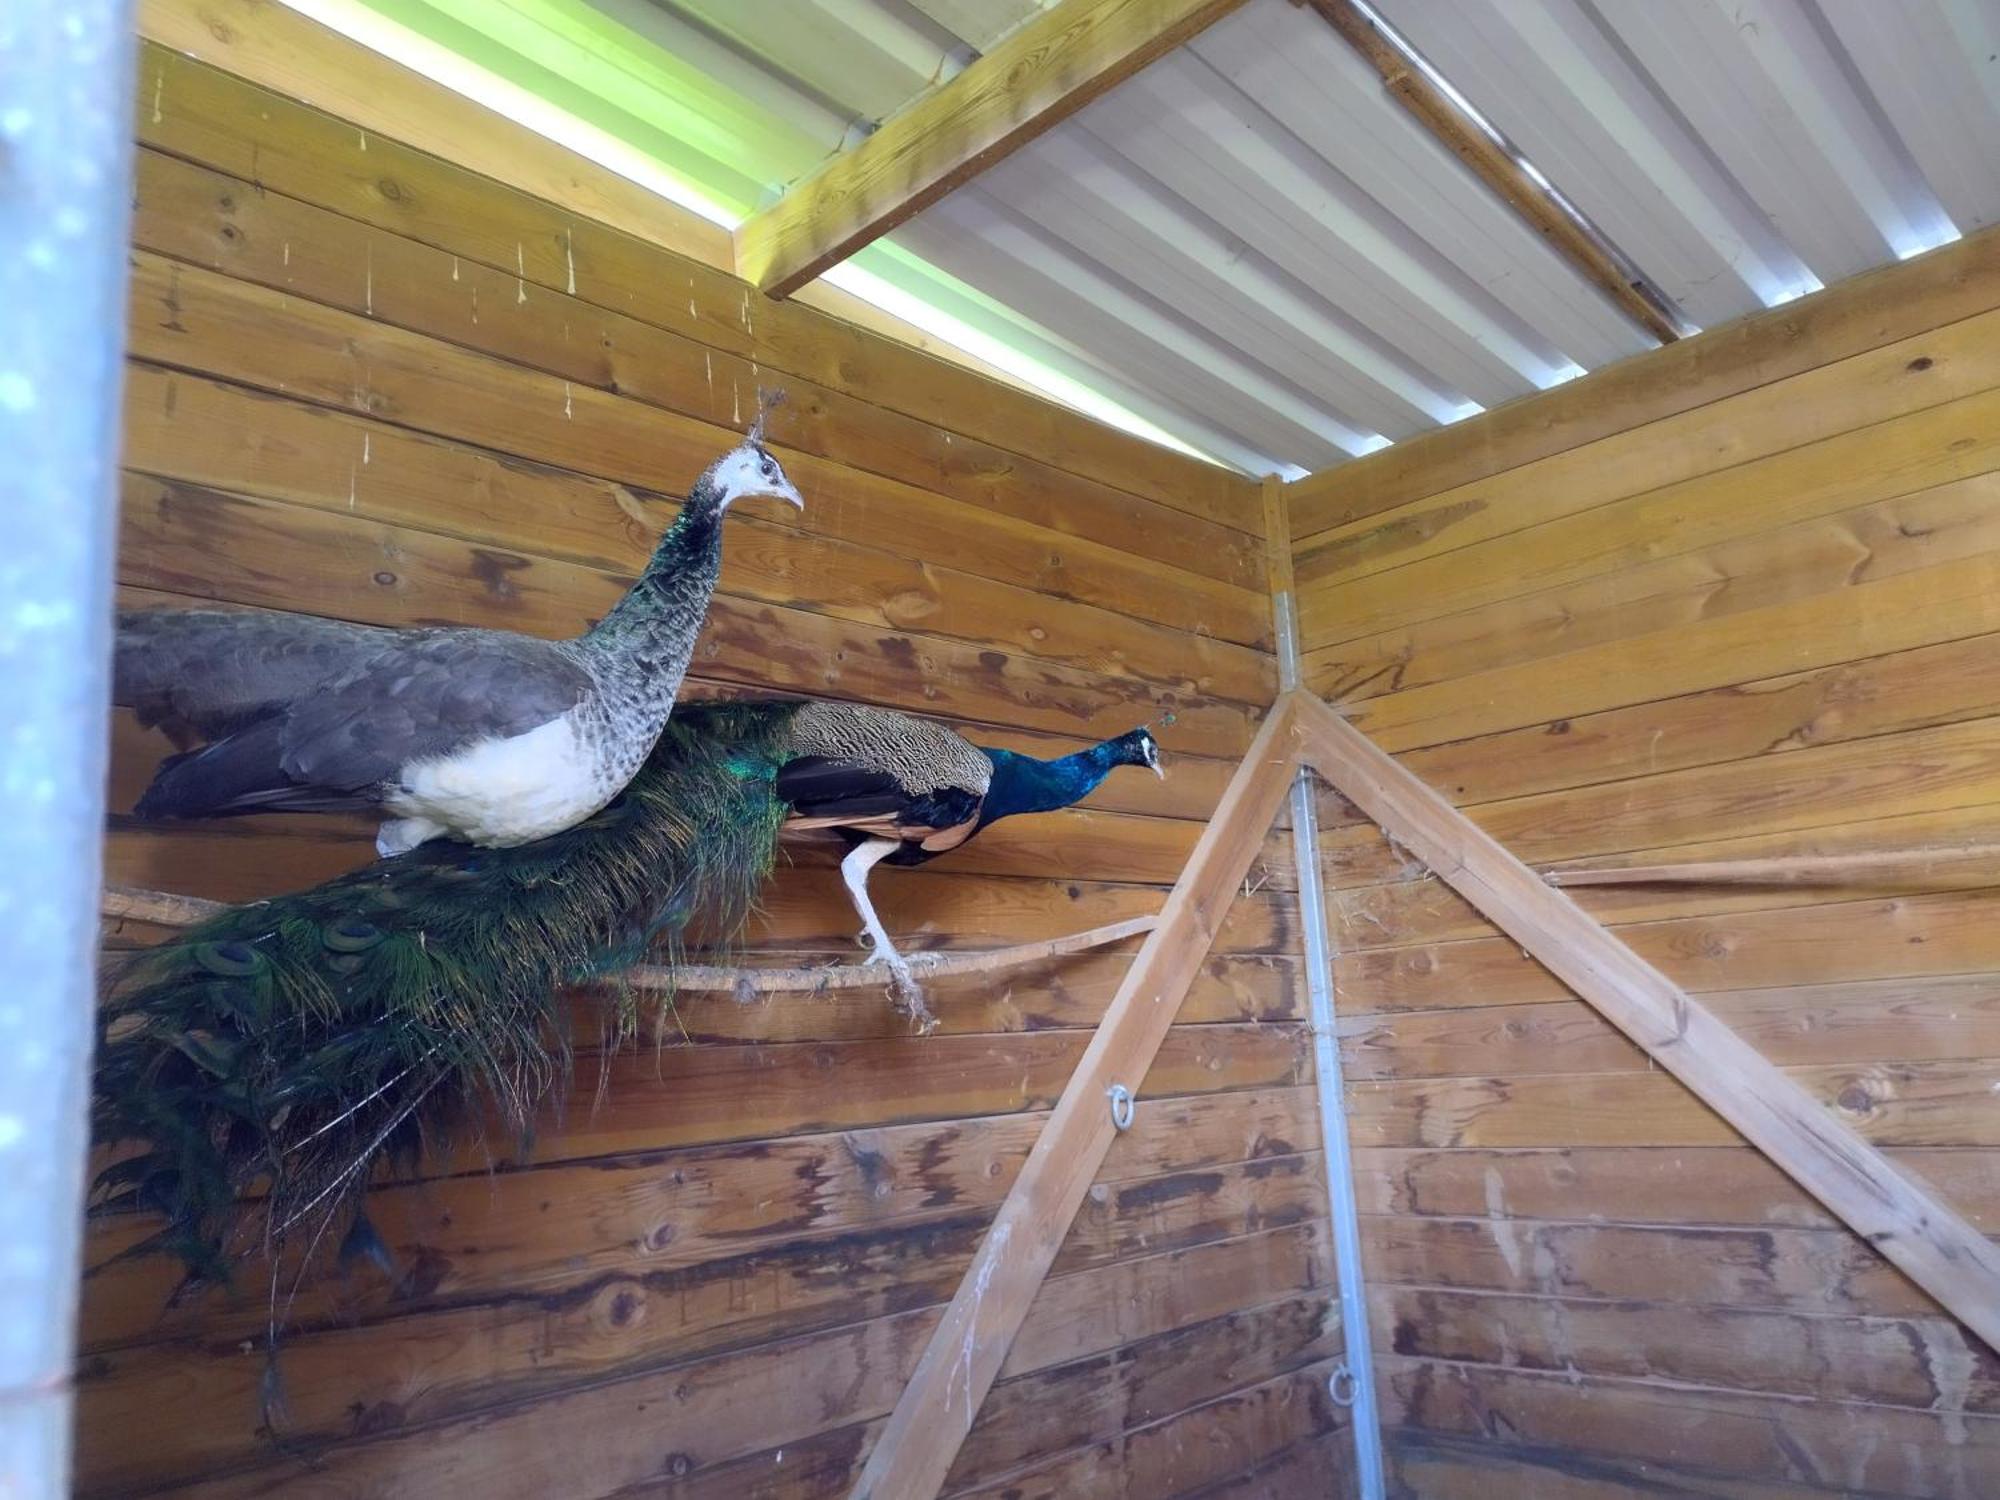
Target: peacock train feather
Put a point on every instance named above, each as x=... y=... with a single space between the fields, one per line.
x=255 y=1070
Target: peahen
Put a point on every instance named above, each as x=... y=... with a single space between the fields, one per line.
x=485 y=736
x=292 y=1044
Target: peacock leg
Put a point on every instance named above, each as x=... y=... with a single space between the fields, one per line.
x=854 y=870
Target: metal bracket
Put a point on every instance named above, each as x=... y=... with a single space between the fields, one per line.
x=1352 y=1384
x=1122 y=1106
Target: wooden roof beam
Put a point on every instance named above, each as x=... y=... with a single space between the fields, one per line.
x=1500 y=170
x=1034 y=79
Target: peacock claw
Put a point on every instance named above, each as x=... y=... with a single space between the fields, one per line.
x=904 y=990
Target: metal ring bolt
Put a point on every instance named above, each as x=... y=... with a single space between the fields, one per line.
x=1341 y=1385
x=1122 y=1106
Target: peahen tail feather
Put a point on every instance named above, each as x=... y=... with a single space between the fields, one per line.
x=293 y=1044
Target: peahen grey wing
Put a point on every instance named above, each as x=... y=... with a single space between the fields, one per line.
x=205 y=674
x=331 y=744
x=426 y=696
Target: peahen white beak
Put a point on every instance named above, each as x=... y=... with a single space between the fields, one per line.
x=783 y=490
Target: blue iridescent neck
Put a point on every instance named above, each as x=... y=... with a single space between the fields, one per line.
x=1022 y=784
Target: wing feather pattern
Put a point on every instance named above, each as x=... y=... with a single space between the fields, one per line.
x=305 y=714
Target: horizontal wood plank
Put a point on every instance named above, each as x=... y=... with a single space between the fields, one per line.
x=710 y=1415
x=535 y=1337
x=288 y=52
x=1908 y=375
x=1944 y=286
x=1737 y=1436
x=1186 y=1452
x=1925 y=1019
x=195 y=216
x=1916 y=529
x=190 y=109
x=1720 y=1185
x=1914 y=853
x=467 y=1239
x=1909 y=1362
x=1881 y=938
x=1941 y=684
x=1449 y=1469
x=1931 y=1104
x=1816 y=1272
x=196 y=320
x=179 y=538
x=1928 y=606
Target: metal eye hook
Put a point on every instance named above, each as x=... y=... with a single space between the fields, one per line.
x=1123 y=1106
x=1341 y=1385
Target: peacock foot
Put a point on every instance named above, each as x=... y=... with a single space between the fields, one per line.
x=904 y=990
x=909 y=997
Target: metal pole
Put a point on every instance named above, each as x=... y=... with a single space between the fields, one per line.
x=1354 y=1379
x=65 y=198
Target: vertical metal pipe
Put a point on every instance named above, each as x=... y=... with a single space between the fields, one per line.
x=65 y=199
x=1355 y=1378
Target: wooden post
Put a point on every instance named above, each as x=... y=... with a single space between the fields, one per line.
x=927 y=1428
x=65 y=224
x=1277 y=537
x=1925 y=1239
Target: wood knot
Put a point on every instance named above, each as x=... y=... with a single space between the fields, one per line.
x=1920 y=364
x=378 y=1416
x=1856 y=1099
x=391 y=189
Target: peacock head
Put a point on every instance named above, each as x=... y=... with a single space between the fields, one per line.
x=751 y=469
x=1139 y=748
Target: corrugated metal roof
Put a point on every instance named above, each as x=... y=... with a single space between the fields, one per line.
x=1254 y=246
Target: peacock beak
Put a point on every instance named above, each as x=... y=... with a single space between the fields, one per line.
x=784 y=490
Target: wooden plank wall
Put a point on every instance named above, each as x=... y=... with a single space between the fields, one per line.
x=367 y=383
x=1737 y=597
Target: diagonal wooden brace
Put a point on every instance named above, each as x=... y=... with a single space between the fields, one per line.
x=1895 y=1213
x=924 y=1433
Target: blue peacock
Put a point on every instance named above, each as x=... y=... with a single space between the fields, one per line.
x=269 y=1059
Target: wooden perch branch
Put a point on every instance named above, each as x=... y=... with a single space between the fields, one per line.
x=1788 y=869
x=167 y=910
